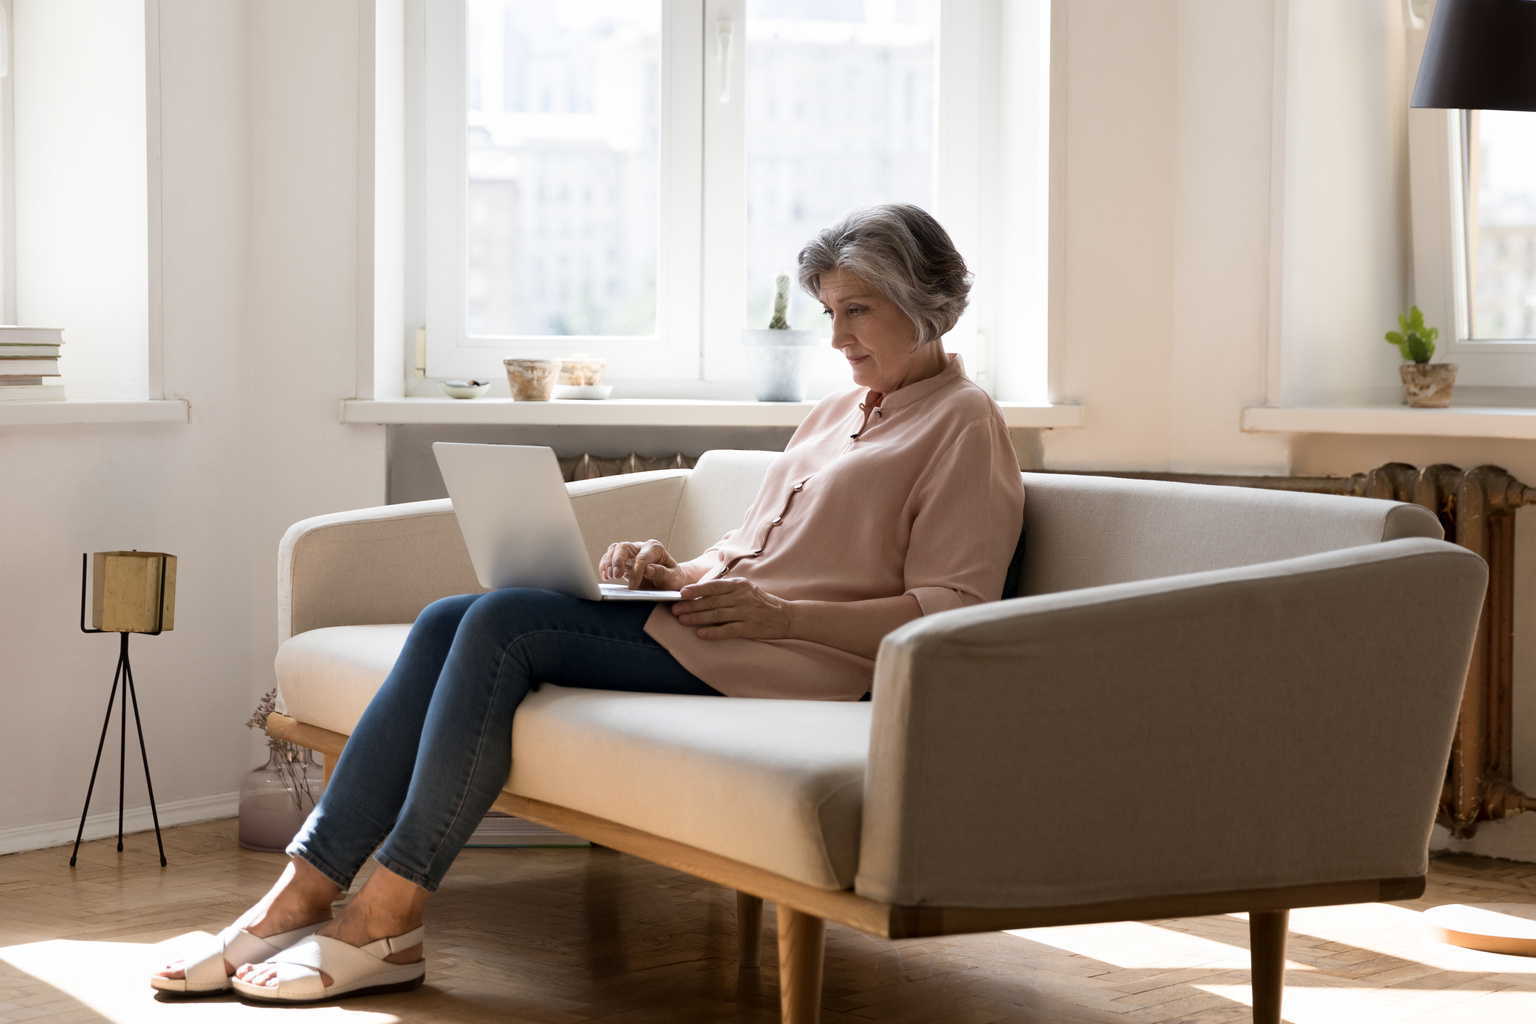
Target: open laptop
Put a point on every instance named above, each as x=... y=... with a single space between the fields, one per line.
x=518 y=523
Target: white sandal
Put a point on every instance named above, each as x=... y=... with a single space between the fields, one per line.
x=354 y=970
x=205 y=975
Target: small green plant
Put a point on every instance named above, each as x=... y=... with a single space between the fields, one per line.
x=780 y=303
x=1415 y=341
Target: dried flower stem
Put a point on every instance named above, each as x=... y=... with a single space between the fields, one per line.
x=292 y=759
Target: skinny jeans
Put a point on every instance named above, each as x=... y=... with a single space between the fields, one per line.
x=432 y=751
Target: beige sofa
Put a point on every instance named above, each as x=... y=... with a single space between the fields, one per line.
x=1205 y=700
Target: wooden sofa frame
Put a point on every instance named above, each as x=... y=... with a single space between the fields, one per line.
x=804 y=910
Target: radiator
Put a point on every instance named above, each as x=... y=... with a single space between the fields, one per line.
x=587 y=467
x=1477 y=509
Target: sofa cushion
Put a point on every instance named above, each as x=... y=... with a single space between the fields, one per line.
x=777 y=784
x=326 y=677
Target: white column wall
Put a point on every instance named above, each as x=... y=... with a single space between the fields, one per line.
x=259 y=133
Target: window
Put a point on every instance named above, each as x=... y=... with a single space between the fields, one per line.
x=1500 y=203
x=563 y=168
x=626 y=177
x=809 y=160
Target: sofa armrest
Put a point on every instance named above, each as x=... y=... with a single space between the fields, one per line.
x=1278 y=724
x=385 y=564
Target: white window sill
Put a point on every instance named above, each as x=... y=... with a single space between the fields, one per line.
x=94 y=410
x=1484 y=421
x=639 y=412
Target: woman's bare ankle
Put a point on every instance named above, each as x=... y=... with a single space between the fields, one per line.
x=386 y=906
x=301 y=896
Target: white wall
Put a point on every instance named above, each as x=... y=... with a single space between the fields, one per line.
x=1346 y=232
x=260 y=313
x=1161 y=224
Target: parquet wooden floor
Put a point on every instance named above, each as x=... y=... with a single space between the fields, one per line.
x=568 y=936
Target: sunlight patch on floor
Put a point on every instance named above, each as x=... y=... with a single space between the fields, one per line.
x=112 y=979
x=1139 y=946
x=1393 y=931
x=1336 y=1001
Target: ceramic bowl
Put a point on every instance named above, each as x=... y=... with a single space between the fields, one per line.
x=590 y=392
x=464 y=388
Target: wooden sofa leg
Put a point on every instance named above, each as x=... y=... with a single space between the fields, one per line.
x=749 y=930
x=802 y=947
x=1266 y=952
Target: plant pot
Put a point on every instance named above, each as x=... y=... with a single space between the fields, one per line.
x=780 y=362
x=1428 y=385
x=532 y=380
x=277 y=797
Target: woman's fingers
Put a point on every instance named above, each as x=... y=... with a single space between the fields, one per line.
x=726 y=632
x=617 y=559
x=648 y=554
x=713 y=588
x=731 y=608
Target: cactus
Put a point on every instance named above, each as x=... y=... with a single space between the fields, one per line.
x=780 y=303
x=1415 y=341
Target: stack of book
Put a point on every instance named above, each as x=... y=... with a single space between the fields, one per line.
x=29 y=364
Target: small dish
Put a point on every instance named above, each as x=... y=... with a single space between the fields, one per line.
x=590 y=392
x=464 y=388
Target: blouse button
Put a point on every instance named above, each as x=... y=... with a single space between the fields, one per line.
x=758 y=551
x=800 y=487
x=777 y=520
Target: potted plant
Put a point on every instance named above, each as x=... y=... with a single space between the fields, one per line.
x=780 y=356
x=1426 y=385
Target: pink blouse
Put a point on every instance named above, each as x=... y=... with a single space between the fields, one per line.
x=918 y=495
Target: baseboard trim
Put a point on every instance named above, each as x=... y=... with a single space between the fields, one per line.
x=104 y=823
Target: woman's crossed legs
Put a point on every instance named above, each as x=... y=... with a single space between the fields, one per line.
x=433 y=749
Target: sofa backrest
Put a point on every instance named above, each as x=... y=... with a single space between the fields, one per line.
x=1087 y=531
x=715 y=499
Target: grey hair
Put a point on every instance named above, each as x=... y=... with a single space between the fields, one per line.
x=903 y=251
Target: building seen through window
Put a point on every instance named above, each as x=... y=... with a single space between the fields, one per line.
x=840 y=114
x=564 y=166
x=564 y=122
x=1501 y=225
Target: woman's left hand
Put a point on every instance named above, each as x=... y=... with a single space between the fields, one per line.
x=733 y=608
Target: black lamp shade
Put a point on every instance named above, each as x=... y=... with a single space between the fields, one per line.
x=1480 y=55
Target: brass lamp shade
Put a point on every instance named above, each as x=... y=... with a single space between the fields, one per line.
x=126 y=591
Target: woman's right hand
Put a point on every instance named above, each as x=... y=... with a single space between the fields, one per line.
x=643 y=564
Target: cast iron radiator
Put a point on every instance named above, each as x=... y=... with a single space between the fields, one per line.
x=586 y=467
x=1477 y=509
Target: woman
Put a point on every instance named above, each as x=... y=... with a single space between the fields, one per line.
x=896 y=498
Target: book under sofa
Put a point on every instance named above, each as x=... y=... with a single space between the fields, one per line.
x=1205 y=700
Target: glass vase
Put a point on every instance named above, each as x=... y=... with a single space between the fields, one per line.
x=277 y=797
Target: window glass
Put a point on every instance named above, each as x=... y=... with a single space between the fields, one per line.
x=563 y=163
x=1501 y=225
x=839 y=114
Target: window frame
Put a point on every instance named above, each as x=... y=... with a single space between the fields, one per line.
x=1438 y=160
x=695 y=351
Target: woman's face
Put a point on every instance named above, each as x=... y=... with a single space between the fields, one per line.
x=874 y=335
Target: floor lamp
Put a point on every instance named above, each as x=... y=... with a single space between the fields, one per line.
x=1478 y=57
x=134 y=592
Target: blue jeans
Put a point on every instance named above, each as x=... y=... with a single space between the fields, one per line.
x=434 y=747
